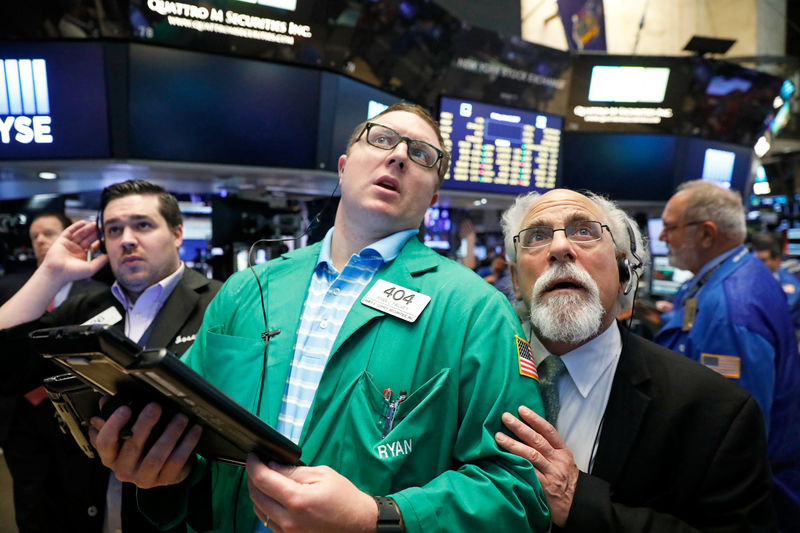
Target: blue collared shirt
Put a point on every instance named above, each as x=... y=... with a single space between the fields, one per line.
x=140 y=314
x=331 y=295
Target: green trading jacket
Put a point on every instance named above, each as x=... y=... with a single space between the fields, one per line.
x=458 y=362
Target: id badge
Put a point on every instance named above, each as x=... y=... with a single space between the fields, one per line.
x=689 y=314
x=396 y=300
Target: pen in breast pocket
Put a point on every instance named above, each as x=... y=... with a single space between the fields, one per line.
x=387 y=427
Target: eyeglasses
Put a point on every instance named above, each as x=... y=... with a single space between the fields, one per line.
x=386 y=138
x=581 y=232
x=669 y=229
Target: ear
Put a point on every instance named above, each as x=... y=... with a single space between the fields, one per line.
x=177 y=234
x=434 y=199
x=342 y=161
x=708 y=233
x=512 y=269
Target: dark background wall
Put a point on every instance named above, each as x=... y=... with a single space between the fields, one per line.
x=502 y=16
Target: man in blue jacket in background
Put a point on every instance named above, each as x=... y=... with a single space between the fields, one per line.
x=732 y=317
x=768 y=249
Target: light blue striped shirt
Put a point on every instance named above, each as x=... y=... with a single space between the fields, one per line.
x=331 y=295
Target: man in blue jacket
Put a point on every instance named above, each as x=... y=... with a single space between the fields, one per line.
x=732 y=317
x=768 y=250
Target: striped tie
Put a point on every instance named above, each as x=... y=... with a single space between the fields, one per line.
x=549 y=371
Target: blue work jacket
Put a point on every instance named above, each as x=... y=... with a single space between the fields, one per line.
x=743 y=331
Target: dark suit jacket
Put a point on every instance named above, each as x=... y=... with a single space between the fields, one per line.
x=9 y=285
x=681 y=449
x=174 y=328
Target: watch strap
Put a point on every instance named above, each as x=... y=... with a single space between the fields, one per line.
x=388 y=516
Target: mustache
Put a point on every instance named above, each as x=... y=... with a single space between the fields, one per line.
x=562 y=271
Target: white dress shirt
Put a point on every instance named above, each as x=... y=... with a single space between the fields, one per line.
x=138 y=317
x=583 y=390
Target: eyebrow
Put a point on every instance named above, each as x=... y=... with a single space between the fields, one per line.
x=132 y=218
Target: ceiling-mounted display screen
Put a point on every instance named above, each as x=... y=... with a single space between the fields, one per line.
x=726 y=164
x=628 y=84
x=622 y=166
x=730 y=103
x=499 y=149
x=626 y=93
x=188 y=106
x=345 y=103
x=52 y=101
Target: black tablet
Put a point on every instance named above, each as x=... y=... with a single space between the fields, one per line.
x=111 y=363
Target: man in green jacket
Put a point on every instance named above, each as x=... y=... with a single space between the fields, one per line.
x=391 y=371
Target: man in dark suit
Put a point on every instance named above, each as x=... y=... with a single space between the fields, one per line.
x=155 y=300
x=638 y=438
x=43 y=230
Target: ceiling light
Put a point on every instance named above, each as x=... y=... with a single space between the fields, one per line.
x=762 y=146
x=48 y=175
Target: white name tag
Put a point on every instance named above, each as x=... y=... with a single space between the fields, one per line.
x=395 y=300
x=108 y=317
x=187 y=338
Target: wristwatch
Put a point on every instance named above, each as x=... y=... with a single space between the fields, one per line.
x=388 y=516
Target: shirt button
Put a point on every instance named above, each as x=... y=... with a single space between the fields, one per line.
x=323 y=324
x=92 y=511
x=336 y=291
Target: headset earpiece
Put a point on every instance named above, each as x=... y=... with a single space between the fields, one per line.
x=625 y=274
x=624 y=265
x=624 y=268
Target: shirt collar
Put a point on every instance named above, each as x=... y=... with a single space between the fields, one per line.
x=387 y=248
x=586 y=363
x=714 y=262
x=162 y=289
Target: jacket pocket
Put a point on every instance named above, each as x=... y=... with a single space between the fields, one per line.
x=231 y=363
x=414 y=448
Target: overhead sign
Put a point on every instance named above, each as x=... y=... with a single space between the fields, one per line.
x=52 y=101
x=198 y=18
x=24 y=102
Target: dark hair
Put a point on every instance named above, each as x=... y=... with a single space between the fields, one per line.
x=167 y=204
x=761 y=242
x=422 y=113
x=64 y=219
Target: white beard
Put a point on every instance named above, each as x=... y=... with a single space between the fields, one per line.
x=570 y=318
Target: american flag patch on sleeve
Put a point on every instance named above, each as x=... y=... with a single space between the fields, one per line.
x=725 y=365
x=526 y=365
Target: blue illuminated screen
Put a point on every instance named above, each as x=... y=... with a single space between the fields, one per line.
x=500 y=149
x=654 y=227
x=437 y=228
x=718 y=166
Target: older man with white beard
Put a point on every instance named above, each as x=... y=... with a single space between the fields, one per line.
x=639 y=438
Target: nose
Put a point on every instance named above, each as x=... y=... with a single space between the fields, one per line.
x=127 y=238
x=561 y=249
x=663 y=235
x=398 y=155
